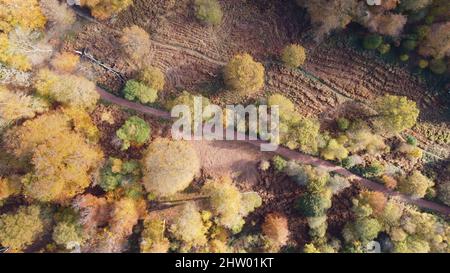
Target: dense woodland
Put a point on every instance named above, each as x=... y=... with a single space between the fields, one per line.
x=80 y=174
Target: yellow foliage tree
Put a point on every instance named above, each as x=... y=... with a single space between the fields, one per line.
x=136 y=43
x=293 y=55
x=189 y=227
x=16 y=105
x=229 y=204
x=103 y=9
x=67 y=89
x=243 y=74
x=169 y=166
x=61 y=168
x=21 y=13
x=152 y=77
x=65 y=62
x=17 y=61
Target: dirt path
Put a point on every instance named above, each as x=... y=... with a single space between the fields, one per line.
x=292 y=155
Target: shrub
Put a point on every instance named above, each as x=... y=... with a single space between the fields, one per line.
x=67 y=89
x=343 y=124
x=118 y=173
x=152 y=77
x=229 y=204
x=169 y=166
x=134 y=132
x=208 y=11
x=384 y=48
x=334 y=151
x=415 y=184
x=189 y=227
x=372 y=41
x=314 y=204
x=279 y=163
x=20 y=229
x=438 y=66
x=293 y=55
x=409 y=44
x=243 y=74
x=404 y=57
x=275 y=228
x=338 y=183
x=137 y=90
x=396 y=113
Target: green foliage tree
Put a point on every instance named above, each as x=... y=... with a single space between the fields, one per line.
x=118 y=173
x=18 y=230
x=396 y=113
x=208 y=11
x=243 y=74
x=135 y=90
x=279 y=163
x=293 y=55
x=169 y=166
x=372 y=41
x=314 y=204
x=134 y=132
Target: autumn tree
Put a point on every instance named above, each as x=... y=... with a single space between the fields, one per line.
x=104 y=9
x=20 y=229
x=153 y=239
x=65 y=62
x=17 y=105
x=275 y=228
x=414 y=5
x=376 y=200
x=365 y=140
x=9 y=187
x=286 y=108
x=68 y=231
x=339 y=14
x=334 y=151
x=437 y=41
x=135 y=90
x=302 y=134
x=389 y=24
x=59 y=16
x=136 y=44
x=188 y=227
x=22 y=140
x=244 y=75
x=293 y=55
x=169 y=166
x=61 y=168
x=67 y=89
x=208 y=12
x=396 y=113
x=153 y=77
x=25 y=14
x=229 y=204
x=416 y=184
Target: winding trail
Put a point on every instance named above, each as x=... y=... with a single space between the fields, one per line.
x=292 y=155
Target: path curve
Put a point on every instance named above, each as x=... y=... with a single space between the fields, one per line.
x=292 y=155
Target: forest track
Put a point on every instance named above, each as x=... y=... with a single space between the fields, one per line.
x=292 y=155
